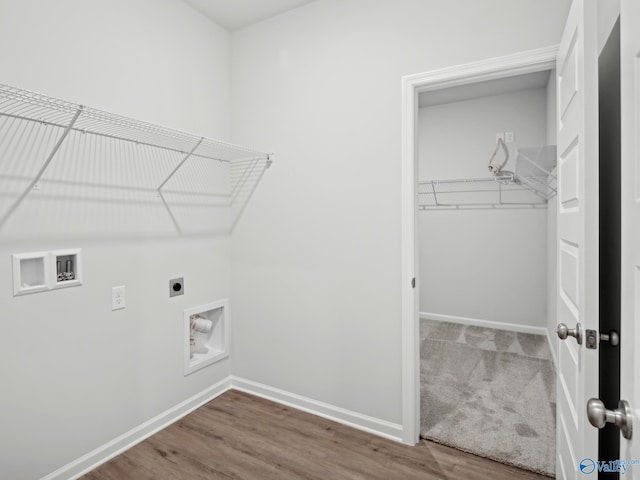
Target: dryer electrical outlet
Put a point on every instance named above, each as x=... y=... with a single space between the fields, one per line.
x=176 y=287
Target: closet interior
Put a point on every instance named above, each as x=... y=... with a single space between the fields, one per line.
x=486 y=219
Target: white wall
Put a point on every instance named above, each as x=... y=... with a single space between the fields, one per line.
x=75 y=374
x=482 y=264
x=552 y=124
x=316 y=258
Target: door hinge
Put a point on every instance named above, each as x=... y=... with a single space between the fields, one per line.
x=413 y=282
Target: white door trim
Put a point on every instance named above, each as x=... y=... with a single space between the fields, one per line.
x=516 y=64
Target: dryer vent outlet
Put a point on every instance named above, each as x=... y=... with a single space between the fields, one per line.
x=176 y=287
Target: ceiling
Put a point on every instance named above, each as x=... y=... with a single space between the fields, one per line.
x=234 y=14
x=484 y=89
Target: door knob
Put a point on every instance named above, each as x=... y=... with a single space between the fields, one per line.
x=564 y=332
x=612 y=337
x=621 y=417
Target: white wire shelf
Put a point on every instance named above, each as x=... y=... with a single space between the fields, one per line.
x=531 y=185
x=26 y=105
x=535 y=169
x=32 y=119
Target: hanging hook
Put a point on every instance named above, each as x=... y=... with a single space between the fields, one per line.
x=496 y=169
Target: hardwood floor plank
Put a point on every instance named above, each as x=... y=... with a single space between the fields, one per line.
x=242 y=437
x=233 y=456
x=330 y=441
x=296 y=433
x=122 y=466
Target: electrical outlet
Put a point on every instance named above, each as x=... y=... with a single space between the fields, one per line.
x=176 y=287
x=118 y=298
x=499 y=136
x=509 y=137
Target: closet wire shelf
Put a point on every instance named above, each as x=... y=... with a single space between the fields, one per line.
x=531 y=185
x=22 y=105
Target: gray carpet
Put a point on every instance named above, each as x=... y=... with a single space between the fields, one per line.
x=489 y=392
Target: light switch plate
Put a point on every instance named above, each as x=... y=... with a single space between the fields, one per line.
x=118 y=298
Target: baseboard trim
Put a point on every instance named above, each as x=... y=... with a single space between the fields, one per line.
x=382 y=428
x=106 y=452
x=513 y=327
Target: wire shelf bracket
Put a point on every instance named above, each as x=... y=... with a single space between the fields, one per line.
x=43 y=168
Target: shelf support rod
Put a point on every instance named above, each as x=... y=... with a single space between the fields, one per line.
x=44 y=167
x=180 y=164
x=435 y=197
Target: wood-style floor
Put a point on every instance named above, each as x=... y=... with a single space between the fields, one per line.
x=240 y=436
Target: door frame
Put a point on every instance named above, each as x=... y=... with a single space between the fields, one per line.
x=521 y=63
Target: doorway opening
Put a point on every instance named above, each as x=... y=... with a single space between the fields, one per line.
x=446 y=90
x=486 y=242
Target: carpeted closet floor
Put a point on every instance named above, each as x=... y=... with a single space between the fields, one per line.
x=489 y=392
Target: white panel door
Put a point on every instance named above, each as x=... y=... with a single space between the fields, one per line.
x=577 y=74
x=630 y=219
